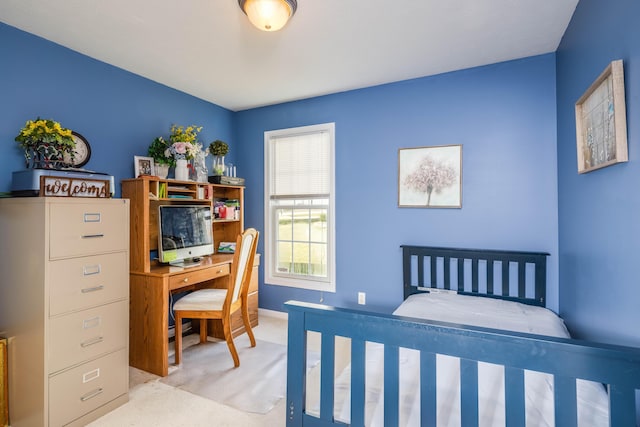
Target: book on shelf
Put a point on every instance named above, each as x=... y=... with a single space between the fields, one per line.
x=162 y=190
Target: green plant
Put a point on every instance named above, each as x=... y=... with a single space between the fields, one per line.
x=158 y=150
x=219 y=148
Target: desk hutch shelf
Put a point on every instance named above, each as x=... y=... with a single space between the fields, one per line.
x=148 y=192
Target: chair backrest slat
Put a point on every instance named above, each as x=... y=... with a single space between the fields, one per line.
x=245 y=251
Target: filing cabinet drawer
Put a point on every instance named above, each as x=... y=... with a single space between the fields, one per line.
x=78 y=283
x=79 y=336
x=87 y=228
x=197 y=276
x=80 y=390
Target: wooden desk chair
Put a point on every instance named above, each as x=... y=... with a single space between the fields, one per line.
x=206 y=304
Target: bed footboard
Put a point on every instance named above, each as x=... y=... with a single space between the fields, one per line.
x=567 y=360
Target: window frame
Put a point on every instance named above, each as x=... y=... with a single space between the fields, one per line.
x=270 y=217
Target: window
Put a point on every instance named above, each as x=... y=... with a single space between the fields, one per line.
x=299 y=207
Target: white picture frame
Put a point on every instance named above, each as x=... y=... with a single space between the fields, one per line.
x=430 y=177
x=143 y=166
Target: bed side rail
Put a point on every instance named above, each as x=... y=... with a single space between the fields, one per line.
x=615 y=366
x=426 y=267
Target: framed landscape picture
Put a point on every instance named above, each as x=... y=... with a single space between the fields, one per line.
x=430 y=177
x=601 y=121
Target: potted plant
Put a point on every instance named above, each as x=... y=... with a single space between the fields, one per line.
x=45 y=143
x=157 y=150
x=219 y=149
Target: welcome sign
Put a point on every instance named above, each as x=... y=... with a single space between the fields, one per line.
x=73 y=187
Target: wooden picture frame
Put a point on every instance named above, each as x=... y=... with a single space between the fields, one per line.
x=601 y=121
x=144 y=166
x=430 y=177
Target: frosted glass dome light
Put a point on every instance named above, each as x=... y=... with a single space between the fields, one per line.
x=268 y=15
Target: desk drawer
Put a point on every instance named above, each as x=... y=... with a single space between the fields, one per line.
x=86 y=229
x=80 y=390
x=78 y=283
x=86 y=334
x=182 y=280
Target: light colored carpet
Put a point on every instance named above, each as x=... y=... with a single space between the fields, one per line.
x=159 y=405
x=257 y=385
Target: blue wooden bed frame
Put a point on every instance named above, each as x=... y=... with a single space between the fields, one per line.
x=615 y=366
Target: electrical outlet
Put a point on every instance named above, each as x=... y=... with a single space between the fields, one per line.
x=362 y=298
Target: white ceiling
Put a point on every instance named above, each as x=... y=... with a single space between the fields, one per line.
x=208 y=48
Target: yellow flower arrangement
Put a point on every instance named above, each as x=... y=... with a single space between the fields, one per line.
x=41 y=130
x=47 y=141
x=184 y=134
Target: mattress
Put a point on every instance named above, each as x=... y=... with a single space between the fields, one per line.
x=464 y=310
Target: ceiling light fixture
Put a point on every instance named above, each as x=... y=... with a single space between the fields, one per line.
x=268 y=15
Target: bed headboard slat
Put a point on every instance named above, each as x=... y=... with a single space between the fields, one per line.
x=529 y=285
x=505 y=277
x=490 y=263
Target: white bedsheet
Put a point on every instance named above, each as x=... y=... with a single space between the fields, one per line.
x=467 y=310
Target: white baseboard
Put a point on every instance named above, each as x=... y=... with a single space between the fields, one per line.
x=272 y=313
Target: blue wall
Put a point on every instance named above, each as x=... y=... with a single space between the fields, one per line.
x=118 y=112
x=504 y=115
x=599 y=239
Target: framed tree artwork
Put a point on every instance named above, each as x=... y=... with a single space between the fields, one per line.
x=601 y=121
x=430 y=177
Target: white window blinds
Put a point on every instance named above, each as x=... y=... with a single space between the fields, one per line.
x=301 y=165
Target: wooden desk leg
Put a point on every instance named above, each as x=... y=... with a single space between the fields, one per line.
x=149 y=324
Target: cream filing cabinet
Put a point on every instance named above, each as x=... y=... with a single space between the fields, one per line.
x=64 y=307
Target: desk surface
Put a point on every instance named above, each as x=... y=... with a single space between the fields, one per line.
x=160 y=270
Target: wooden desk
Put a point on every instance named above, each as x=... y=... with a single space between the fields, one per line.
x=149 y=307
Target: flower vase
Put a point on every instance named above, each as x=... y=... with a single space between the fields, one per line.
x=162 y=170
x=182 y=171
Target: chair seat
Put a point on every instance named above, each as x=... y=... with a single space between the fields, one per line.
x=202 y=300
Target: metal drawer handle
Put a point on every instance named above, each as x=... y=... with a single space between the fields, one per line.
x=220 y=271
x=91 y=342
x=91 y=217
x=92 y=236
x=95 y=288
x=90 y=270
x=185 y=280
x=91 y=394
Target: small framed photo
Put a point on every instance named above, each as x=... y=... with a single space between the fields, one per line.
x=430 y=177
x=601 y=121
x=143 y=166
